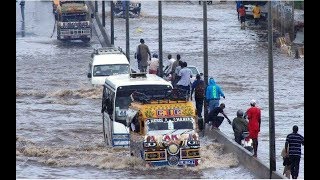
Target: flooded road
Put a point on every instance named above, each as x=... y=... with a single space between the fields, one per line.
x=58 y=120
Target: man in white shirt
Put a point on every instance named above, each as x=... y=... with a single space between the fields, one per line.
x=168 y=68
x=185 y=74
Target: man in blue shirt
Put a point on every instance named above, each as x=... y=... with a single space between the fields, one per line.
x=294 y=141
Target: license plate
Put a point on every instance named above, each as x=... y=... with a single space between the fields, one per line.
x=186 y=162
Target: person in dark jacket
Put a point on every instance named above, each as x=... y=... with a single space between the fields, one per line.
x=239 y=125
x=198 y=87
x=216 y=120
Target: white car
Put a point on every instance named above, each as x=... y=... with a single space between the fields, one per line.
x=105 y=62
x=194 y=70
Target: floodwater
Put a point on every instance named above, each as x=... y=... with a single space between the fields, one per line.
x=58 y=120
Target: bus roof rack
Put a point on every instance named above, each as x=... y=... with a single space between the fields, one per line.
x=138 y=75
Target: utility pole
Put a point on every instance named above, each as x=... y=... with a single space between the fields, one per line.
x=272 y=150
x=205 y=59
x=96 y=6
x=127 y=31
x=103 y=14
x=112 y=22
x=160 y=38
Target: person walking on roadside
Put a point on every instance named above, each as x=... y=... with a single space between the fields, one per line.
x=256 y=13
x=293 y=144
x=239 y=125
x=185 y=74
x=215 y=120
x=154 y=64
x=198 y=87
x=242 y=13
x=238 y=4
x=254 y=116
x=143 y=55
x=213 y=93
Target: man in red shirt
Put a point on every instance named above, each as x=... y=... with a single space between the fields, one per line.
x=242 y=14
x=254 y=117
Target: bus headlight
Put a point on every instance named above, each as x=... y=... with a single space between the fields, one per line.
x=173 y=149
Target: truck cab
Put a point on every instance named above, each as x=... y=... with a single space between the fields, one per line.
x=105 y=62
x=73 y=21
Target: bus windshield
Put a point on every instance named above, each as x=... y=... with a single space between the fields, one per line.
x=123 y=99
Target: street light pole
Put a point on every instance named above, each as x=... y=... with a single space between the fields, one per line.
x=127 y=31
x=160 y=39
x=205 y=59
x=272 y=150
x=112 y=22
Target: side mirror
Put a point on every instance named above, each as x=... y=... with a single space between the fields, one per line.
x=92 y=15
x=89 y=75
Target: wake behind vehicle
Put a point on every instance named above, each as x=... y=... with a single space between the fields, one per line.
x=164 y=129
x=73 y=21
x=105 y=62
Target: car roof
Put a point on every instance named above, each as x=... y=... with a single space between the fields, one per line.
x=110 y=59
x=125 y=80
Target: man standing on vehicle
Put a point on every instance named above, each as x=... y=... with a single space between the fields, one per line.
x=254 y=117
x=143 y=53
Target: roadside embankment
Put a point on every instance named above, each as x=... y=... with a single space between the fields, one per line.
x=97 y=26
x=245 y=158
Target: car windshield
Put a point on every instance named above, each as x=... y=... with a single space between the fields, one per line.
x=74 y=18
x=170 y=123
x=111 y=69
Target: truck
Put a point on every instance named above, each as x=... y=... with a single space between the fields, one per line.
x=73 y=21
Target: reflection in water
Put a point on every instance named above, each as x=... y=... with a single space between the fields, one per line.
x=23 y=29
x=22 y=3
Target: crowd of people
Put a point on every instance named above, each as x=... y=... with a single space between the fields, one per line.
x=248 y=121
